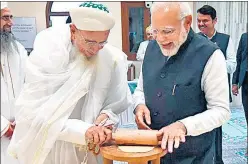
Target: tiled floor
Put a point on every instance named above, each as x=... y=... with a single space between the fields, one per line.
x=235 y=138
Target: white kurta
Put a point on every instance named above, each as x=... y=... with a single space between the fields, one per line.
x=63 y=96
x=12 y=79
x=141 y=50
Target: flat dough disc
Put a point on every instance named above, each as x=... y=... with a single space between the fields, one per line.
x=136 y=149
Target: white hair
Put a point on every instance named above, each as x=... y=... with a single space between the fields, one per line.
x=185 y=9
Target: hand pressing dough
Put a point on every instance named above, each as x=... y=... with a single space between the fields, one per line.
x=136 y=149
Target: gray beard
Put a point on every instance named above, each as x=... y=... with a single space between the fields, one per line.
x=8 y=43
x=75 y=54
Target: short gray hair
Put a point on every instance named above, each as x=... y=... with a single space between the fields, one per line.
x=185 y=9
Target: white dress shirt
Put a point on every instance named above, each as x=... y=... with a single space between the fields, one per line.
x=230 y=54
x=141 y=50
x=214 y=84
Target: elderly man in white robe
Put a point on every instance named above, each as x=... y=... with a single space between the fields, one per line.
x=13 y=56
x=75 y=80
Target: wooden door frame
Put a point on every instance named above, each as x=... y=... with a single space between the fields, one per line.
x=125 y=25
x=50 y=13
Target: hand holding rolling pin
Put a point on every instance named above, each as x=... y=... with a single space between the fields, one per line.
x=172 y=135
x=99 y=134
x=142 y=117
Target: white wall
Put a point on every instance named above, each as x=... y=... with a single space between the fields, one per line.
x=115 y=37
x=30 y=9
x=37 y=9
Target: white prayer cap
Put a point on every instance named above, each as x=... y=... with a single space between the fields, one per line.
x=91 y=16
x=4 y=5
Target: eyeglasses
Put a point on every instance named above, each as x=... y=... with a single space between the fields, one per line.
x=93 y=43
x=149 y=34
x=165 y=32
x=7 y=17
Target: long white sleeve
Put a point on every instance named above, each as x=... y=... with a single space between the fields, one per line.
x=214 y=83
x=141 y=50
x=138 y=96
x=119 y=96
x=74 y=131
x=231 y=57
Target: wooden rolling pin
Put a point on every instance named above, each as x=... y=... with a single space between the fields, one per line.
x=135 y=137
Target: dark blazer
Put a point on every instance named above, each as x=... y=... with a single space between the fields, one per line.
x=242 y=60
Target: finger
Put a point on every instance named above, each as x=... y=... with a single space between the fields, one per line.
x=164 y=141
x=159 y=135
x=89 y=133
x=102 y=136
x=95 y=138
x=140 y=117
x=182 y=138
x=141 y=122
x=147 y=117
x=108 y=134
x=136 y=120
x=177 y=142
x=90 y=138
x=170 y=144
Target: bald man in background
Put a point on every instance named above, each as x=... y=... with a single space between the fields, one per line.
x=143 y=46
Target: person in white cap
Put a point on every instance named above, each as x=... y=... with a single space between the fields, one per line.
x=13 y=56
x=75 y=80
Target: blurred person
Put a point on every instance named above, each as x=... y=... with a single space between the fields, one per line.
x=240 y=76
x=13 y=57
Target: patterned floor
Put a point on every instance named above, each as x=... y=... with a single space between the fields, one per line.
x=234 y=138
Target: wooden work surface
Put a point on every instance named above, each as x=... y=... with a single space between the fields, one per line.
x=111 y=152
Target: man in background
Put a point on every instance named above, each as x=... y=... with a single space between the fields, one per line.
x=144 y=44
x=240 y=76
x=13 y=57
x=206 y=20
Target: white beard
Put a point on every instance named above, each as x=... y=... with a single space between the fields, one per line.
x=77 y=55
x=8 y=43
x=177 y=44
